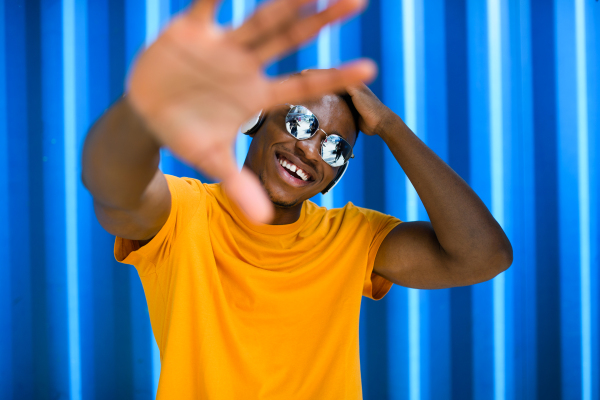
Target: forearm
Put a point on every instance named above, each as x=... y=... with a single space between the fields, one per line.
x=120 y=158
x=465 y=229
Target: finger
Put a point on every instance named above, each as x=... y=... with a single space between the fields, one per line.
x=246 y=191
x=316 y=70
x=304 y=87
x=203 y=10
x=301 y=30
x=242 y=187
x=268 y=18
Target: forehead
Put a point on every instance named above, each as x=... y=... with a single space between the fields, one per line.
x=334 y=116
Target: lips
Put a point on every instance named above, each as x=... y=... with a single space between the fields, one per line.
x=290 y=172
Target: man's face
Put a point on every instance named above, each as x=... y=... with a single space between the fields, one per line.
x=272 y=144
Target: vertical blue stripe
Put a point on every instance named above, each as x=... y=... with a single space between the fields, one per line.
x=152 y=20
x=51 y=279
x=70 y=151
x=569 y=240
x=497 y=180
x=410 y=92
x=391 y=70
x=435 y=344
x=584 y=200
x=6 y=371
x=523 y=197
x=410 y=112
x=324 y=62
x=544 y=109
x=480 y=173
x=241 y=8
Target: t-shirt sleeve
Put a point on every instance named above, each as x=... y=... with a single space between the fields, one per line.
x=187 y=197
x=375 y=286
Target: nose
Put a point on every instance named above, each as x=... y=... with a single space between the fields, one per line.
x=311 y=148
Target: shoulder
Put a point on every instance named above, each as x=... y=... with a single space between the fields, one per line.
x=375 y=220
x=352 y=211
x=350 y=214
x=184 y=184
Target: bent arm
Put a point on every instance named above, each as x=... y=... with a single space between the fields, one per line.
x=120 y=169
x=462 y=245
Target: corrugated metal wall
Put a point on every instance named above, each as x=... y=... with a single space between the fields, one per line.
x=508 y=92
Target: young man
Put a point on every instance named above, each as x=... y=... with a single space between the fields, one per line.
x=241 y=308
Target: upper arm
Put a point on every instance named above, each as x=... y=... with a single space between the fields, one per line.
x=146 y=219
x=412 y=256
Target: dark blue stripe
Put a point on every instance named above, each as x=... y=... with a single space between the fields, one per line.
x=39 y=313
x=549 y=357
x=436 y=116
x=373 y=315
x=19 y=219
x=350 y=49
x=461 y=368
x=53 y=280
x=6 y=375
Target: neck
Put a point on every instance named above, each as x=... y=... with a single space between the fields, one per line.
x=286 y=215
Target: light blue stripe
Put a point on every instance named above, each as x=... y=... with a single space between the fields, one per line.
x=410 y=112
x=584 y=201
x=494 y=16
x=71 y=179
x=410 y=92
x=323 y=62
x=239 y=12
x=155 y=365
x=152 y=20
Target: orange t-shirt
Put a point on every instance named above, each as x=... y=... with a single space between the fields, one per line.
x=245 y=311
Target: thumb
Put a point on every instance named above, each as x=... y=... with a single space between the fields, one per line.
x=246 y=191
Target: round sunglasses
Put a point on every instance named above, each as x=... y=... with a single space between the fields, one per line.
x=302 y=124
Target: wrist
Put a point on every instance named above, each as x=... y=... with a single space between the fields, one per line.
x=389 y=123
x=135 y=122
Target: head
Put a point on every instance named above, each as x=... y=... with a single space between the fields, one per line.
x=272 y=143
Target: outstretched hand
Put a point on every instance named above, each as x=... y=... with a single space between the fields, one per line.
x=197 y=83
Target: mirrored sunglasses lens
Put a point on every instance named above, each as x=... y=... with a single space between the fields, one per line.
x=301 y=123
x=335 y=150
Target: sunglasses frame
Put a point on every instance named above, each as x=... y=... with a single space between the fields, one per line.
x=315 y=132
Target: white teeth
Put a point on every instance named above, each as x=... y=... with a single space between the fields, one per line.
x=294 y=168
x=301 y=173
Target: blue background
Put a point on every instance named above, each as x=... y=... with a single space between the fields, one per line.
x=507 y=92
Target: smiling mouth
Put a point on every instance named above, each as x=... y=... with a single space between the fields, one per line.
x=291 y=169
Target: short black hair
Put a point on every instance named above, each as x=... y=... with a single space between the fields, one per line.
x=348 y=100
x=355 y=114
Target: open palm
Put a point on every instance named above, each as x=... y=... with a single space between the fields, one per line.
x=197 y=83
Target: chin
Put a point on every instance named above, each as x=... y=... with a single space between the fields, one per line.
x=282 y=201
x=278 y=196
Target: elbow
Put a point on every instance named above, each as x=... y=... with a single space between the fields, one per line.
x=500 y=259
x=483 y=266
x=504 y=254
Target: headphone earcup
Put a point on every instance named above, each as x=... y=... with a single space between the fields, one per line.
x=252 y=125
x=337 y=178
